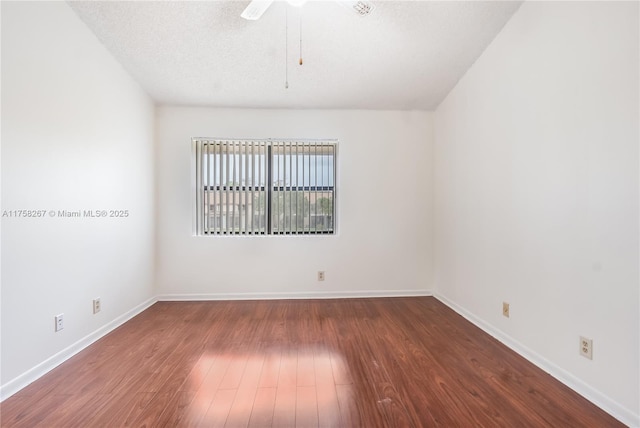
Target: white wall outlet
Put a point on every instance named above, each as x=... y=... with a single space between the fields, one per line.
x=59 y=322
x=586 y=347
x=320 y=275
x=96 y=305
x=505 y=309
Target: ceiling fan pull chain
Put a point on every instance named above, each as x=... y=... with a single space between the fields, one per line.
x=286 y=45
x=300 y=36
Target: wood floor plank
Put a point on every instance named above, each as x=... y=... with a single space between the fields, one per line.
x=201 y=402
x=28 y=413
x=349 y=409
x=284 y=412
x=386 y=362
x=198 y=372
x=151 y=414
x=271 y=368
x=175 y=413
x=242 y=406
x=124 y=399
x=306 y=407
x=119 y=413
x=288 y=373
x=305 y=371
x=78 y=409
x=328 y=406
x=234 y=373
x=340 y=370
x=263 y=407
x=218 y=411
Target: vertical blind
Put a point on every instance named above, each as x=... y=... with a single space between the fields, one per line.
x=265 y=187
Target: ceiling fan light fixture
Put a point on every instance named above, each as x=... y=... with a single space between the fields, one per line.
x=255 y=9
x=361 y=7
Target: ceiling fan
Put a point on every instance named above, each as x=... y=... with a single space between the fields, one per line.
x=257 y=7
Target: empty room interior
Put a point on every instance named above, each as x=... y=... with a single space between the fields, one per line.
x=320 y=213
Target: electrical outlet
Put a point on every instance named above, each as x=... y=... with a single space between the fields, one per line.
x=59 y=322
x=505 y=309
x=586 y=347
x=96 y=305
x=320 y=275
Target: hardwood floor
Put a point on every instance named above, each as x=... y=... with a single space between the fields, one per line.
x=401 y=362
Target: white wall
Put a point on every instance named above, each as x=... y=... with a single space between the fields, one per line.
x=536 y=160
x=383 y=246
x=77 y=134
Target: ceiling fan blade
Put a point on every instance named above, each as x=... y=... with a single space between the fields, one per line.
x=360 y=7
x=255 y=9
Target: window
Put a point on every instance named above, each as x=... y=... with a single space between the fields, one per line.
x=265 y=187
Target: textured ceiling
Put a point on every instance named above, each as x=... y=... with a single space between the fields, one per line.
x=405 y=55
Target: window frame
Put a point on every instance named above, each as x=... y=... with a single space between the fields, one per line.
x=270 y=186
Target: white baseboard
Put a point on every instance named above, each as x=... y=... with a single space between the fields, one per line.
x=294 y=295
x=607 y=404
x=16 y=384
